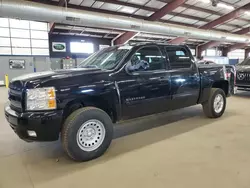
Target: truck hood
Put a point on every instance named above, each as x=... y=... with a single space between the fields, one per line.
x=56 y=77
x=56 y=74
x=245 y=68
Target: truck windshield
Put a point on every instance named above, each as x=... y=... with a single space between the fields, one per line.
x=245 y=62
x=107 y=58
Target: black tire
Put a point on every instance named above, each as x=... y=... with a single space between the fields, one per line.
x=70 y=129
x=208 y=106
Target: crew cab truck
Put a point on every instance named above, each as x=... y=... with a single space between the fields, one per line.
x=81 y=105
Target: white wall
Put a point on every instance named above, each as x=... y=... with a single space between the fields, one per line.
x=40 y=63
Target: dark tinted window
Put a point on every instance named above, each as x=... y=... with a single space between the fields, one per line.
x=150 y=58
x=178 y=57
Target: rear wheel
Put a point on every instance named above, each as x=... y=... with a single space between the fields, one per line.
x=215 y=106
x=87 y=134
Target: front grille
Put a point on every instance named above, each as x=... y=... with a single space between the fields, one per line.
x=15 y=96
x=243 y=77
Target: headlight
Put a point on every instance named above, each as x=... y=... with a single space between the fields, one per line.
x=41 y=99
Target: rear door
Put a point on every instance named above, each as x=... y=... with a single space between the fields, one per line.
x=185 y=80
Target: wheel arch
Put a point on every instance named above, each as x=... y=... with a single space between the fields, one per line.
x=222 y=84
x=208 y=106
x=98 y=102
x=205 y=92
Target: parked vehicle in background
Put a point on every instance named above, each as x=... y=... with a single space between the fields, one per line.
x=116 y=83
x=243 y=75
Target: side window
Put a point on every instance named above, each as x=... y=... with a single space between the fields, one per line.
x=148 y=59
x=178 y=57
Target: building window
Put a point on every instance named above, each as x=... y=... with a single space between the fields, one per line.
x=21 y=24
x=4 y=22
x=21 y=51
x=4 y=32
x=23 y=37
x=236 y=54
x=4 y=41
x=39 y=34
x=20 y=33
x=5 y=50
x=193 y=51
x=81 y=47
x=38 y=26
x=203 y=53
x=16 y=42
x=39 y=43
x=211 y=52
x=40 y=51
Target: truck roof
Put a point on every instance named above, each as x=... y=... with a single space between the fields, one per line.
x=157 y=43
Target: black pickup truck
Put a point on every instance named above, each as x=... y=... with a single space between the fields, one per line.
x=243 y=75
x=117 y=83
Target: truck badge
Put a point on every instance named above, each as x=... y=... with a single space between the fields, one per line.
x=135 y=99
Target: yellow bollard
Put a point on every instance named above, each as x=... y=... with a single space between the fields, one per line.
x=6 y=81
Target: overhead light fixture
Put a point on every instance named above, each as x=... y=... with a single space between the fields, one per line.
x=205 y=1
x=215 y=3
x=247 y=13
x=222 y=5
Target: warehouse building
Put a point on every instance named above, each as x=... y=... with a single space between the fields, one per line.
x=65 y=63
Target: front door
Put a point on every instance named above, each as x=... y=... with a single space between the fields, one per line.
x=146 y=89
x=185 y=79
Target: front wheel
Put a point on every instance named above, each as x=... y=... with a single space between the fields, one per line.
x=87 y=134
x=215 y=106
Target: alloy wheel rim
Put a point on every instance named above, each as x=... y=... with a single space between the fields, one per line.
x=218 y=103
